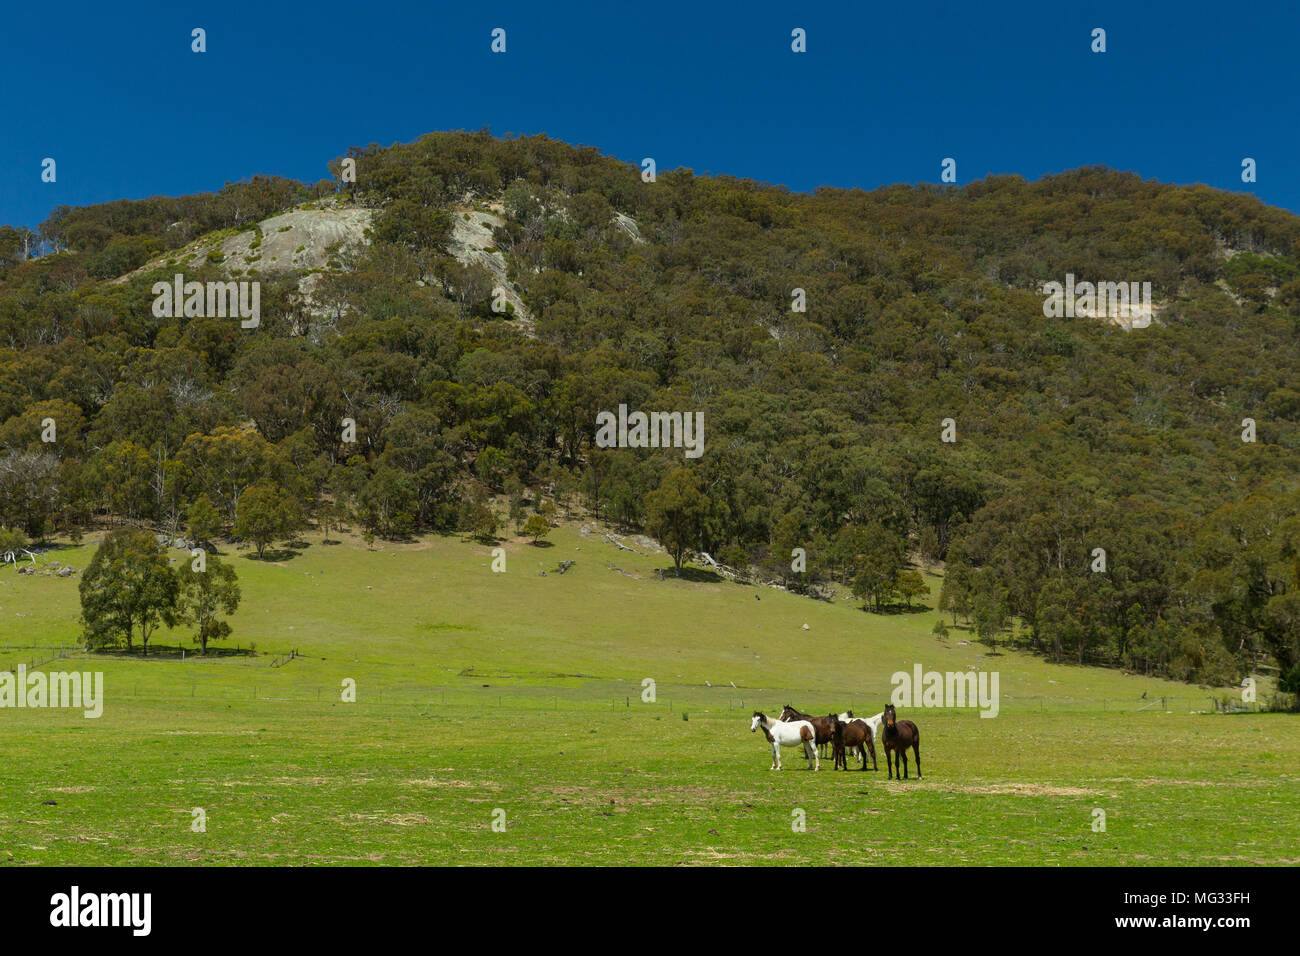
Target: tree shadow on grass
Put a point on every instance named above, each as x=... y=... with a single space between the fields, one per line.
x=894 y=608
x=47 y=547
x=888 y=610
x=694 y=575
x=166 y=652
x=286 y=552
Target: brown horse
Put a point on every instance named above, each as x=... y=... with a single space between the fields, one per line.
x=824 y=726
x=898 y=735
x=853 y=735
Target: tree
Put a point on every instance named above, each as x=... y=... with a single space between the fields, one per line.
x=786 y=536
x=677 y=513
x=476 y=514
x=954 y=593
x=124 y=470
x=30 y=487
x=1247 y=575
x=940 y=630
x=387 y=503
x=11 y=540
x=910 y=584
x=265 y=514
x=225 y=463
x=204 y=595
x=202 y=521
x=990 y=612
x=413 y=225
x=333 y=513
x=127 y=585
x=537 y=527
x=878 y=567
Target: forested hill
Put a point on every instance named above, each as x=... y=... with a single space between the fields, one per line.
x=824 y=427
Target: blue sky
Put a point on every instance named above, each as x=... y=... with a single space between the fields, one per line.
x=884 y=93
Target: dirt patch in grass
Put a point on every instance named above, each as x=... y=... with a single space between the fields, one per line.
x=455 y=784
x=711 y=854
x=393 y=819
x=1027 y=790
x=681 y=795
x=1163 y=782
x=285 y=782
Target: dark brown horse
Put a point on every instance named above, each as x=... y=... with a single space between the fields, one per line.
x=852 y=735
x=898 y=735
x=824 y=726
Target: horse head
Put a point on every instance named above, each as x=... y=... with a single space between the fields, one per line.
x=889 y=718
x=759 y=721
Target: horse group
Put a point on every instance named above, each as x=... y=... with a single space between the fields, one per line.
x=844 y=734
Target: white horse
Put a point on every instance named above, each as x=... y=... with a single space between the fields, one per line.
x=787 y=733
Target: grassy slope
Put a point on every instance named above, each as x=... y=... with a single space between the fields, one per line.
x=412 y=772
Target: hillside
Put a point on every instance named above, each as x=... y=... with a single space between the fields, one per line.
x=825 y=339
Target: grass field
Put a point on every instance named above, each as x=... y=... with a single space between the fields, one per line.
x=480 y=692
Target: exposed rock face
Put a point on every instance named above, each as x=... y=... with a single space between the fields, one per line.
x=472 y=243
x=628 y=225
x=296 y=240
x=301 y=240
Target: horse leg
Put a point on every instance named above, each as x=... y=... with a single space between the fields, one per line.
x=814 y=758
x=916 y=749
x=873 y=758
x=889 y=762
x=776 y=756
x=903 y=756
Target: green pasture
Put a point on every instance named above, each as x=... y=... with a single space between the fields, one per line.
x=484 y=696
